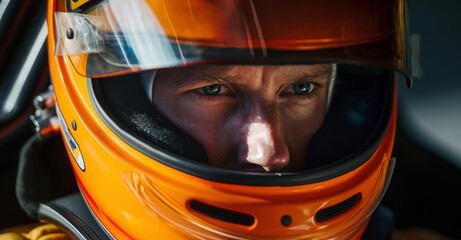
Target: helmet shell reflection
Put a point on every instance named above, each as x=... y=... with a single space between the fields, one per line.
x=135 y=196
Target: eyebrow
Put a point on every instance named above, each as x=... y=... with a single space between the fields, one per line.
x=311 y=77
x=216 y=75
x=327 y=72
x=184 y=78
x=211 y=80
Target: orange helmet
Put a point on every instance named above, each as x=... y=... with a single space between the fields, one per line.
x=142 y=176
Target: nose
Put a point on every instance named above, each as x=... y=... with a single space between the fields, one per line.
x=263 y=147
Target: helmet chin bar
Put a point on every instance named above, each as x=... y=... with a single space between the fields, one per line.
x=189 y=223
x=73 y=214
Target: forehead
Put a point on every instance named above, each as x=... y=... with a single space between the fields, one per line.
x=179 y=76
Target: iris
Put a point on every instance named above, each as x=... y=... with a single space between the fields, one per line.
x=214 y=89
x=302 y=88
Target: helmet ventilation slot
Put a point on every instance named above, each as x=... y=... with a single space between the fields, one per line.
x=338 y=209
x=222 y=214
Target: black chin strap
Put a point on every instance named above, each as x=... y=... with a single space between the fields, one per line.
x=44 y=173
x=46 y=189
x=72 y=215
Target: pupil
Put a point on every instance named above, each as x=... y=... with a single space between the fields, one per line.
x=214 y=89
x=301 y=88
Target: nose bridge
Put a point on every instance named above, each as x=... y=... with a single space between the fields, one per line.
x=260 y=143
x=263 y=146
x=263 y=116
x=260 y=109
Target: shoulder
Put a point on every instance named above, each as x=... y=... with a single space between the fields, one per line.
x=42 y=231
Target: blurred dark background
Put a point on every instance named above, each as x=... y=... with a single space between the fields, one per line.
x=425 y=190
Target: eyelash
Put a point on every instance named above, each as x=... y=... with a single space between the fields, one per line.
x=199 y=93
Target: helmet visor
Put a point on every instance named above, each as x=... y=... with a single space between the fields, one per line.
x=117 y=36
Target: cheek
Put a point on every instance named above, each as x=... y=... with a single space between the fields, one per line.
x=305 y=118
x=203 y=122
x=301 y=123
x=192 y=118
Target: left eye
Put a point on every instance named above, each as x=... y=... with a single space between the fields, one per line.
x=302 y=88
x=214 y=89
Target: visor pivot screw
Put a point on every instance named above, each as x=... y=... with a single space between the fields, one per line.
x=74 y=125
x=70 y=33
x=286 y=220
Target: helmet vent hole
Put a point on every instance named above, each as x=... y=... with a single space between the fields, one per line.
x=338 y=209
x=222 y=214
x=286 y=220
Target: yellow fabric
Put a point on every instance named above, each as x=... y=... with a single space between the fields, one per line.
x=46 y=231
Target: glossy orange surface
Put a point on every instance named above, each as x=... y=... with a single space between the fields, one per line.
x=288 y=24
x=136 y=197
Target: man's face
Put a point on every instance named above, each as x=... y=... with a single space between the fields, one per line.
x=248 y=118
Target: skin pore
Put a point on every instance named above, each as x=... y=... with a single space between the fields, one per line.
x=255 y=118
